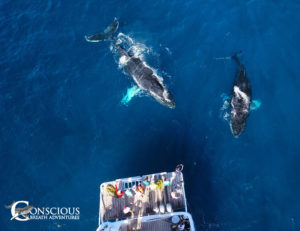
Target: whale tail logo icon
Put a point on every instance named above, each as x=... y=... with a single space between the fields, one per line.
x=20 y=213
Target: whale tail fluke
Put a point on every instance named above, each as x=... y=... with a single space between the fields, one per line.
x=236 y=58
x=9 y=206
x=107 y=33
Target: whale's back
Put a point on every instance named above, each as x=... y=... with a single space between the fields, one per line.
x=240 y=100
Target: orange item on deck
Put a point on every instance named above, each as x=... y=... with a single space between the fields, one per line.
x=141 y=189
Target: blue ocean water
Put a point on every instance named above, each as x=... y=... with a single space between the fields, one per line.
x=64 y=129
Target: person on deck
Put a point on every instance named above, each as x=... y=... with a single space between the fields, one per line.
x=129 y=193
x=119 y=193
x=179 y=168
x=146 y=181
x=174 y=195
x=141 y=188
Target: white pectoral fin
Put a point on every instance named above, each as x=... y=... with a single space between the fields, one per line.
x=226 y=101
x=225 y=97
x=131 y=92
x=255 y=104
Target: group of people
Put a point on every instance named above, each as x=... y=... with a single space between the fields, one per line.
x=140 y=188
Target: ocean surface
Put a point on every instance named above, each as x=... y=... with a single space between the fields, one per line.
x=64 y=129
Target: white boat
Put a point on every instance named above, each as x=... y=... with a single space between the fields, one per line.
x=153 y=202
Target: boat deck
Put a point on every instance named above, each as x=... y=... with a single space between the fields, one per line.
x=156 y=225
x=152 y=201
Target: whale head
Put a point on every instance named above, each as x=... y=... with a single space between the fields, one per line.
x=168 y=100
x=162 y=95
x=237 y=128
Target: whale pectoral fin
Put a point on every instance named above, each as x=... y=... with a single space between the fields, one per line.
x=226 y=101
x=225 y=97
x=131 y=92
x=255 y=104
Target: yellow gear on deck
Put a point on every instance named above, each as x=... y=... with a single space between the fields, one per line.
x=159 y=184
x=111 y=190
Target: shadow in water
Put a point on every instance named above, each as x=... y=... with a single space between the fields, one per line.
x=165 y=149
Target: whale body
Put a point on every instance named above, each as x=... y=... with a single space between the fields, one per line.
x=143 y=75
x=240 y=100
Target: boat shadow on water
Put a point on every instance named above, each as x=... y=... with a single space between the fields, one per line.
x=163 y=151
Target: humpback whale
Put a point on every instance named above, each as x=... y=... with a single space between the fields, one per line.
x=143 y=75
x=240 y=99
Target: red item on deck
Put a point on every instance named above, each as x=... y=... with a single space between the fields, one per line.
x=119 y=194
